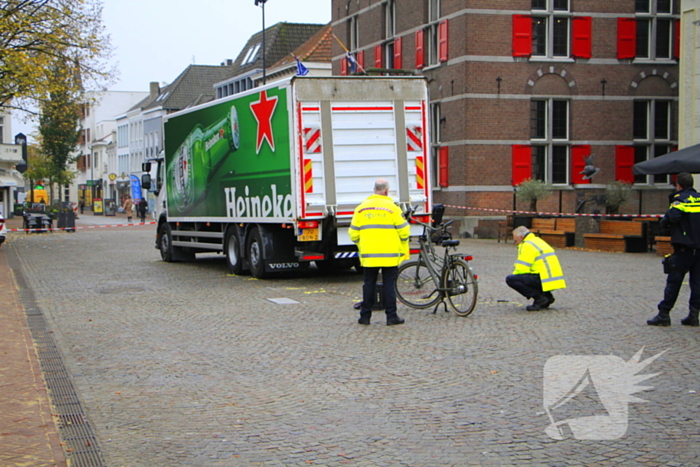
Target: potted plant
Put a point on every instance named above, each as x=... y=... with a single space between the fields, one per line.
x=616 y=194
x=533 y=191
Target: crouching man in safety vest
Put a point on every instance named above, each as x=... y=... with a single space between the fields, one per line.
x=537 y=271
x=381 y=234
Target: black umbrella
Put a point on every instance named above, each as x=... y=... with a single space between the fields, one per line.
x=685 y=160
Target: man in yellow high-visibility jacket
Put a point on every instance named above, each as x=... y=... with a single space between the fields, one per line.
x=537 y=270
x=381 y=234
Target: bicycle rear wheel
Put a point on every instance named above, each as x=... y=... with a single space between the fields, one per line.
x=461 y=289
x=415 y=286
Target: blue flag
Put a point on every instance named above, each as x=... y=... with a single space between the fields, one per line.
x=351 y=62
x=301 y=69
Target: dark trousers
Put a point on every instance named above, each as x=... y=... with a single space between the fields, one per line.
x=389 y=275
x=684 y=260
x=528 y=285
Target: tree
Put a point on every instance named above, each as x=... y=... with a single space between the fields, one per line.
x=58 y=123
x=37 y=34
x=616 y=194
x=533 y=190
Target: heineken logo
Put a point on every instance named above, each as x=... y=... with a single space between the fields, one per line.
x=212 y=141
x=268 y=205
x=263 y=109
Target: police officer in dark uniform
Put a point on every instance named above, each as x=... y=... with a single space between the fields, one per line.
x=683 y=217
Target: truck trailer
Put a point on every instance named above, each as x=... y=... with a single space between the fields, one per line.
x=270 y=177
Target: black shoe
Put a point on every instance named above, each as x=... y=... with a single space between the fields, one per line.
x=395 y=321
x=659 y=320
x=540 y=302
x=363 y=321
x=691 y=320
x=550 y=299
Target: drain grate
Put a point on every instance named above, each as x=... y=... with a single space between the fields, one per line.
x=74 y=428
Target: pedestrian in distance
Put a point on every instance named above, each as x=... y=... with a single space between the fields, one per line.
x=143 y=209
x=128 y=208
x=683 y=219
x=537 y=270
x=381 y=234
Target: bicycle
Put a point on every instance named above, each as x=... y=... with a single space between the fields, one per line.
x=432 y=279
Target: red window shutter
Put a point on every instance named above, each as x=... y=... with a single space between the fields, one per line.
x=626 y=38
x=522 y=164
x=582 y=39
x=578 y=153
x=378 y=56
x=420 y=55
x=676 y=39
x=398 y=53
x=624 y=160
x=442 y=40
x=443 y=165
x=360 y=58
x=522 y=35
x=343 y=66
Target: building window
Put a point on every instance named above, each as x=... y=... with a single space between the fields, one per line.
x=2 y=129
x=390 y=19
x=353 y=39
x=551 y=23
x=651 y=128
x=654 y=29
x=433 y=32
x=252 y=54
x=549 y=135
x=435 y=117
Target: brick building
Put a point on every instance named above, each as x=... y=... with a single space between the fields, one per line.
x=527 y=88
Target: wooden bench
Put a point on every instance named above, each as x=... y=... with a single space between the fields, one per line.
x=559 y=232
x=663 y=246
x=620 y=236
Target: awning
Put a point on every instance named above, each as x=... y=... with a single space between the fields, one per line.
x=7 y=181
x=685 y=160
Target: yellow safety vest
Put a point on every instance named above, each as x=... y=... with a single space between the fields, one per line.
x=380 y=232
x=535 y=256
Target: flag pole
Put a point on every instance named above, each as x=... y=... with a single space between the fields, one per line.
x=347 y=52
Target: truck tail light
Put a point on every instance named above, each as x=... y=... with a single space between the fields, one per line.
x=307 y=224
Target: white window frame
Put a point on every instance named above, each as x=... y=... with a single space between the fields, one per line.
x=390 y=19
x=551 y=16
x=653 y=17
x=353 y=32
x=652 y=145
x=548 y=141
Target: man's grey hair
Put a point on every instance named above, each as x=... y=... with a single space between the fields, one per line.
x=381 y=185
x=521 y=231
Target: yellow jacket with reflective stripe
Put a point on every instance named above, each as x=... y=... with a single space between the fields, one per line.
x=535 y=256
x=380 y=232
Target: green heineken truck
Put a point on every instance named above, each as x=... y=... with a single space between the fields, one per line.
x=270 y=177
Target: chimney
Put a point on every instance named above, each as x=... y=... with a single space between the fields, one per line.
x=155 y=89
x=229 y=62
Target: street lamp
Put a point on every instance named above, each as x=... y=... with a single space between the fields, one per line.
x=262 y=2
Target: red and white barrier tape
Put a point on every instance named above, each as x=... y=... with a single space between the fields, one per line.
x=80 y=228
x=560 y=214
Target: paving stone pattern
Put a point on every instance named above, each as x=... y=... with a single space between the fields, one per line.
x=185 y=364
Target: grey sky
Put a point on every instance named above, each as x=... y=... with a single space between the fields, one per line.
x=154 y=40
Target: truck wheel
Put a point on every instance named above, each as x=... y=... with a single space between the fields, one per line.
x=256 y=256
x=166 y=243
x=171 y=253
x=234 y=259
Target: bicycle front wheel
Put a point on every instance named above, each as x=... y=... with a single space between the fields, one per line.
x=460 y=287
x=415 y=286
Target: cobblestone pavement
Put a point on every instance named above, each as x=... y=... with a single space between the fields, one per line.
x=184 y=364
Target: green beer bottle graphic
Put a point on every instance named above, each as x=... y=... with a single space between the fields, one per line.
x=198 y=158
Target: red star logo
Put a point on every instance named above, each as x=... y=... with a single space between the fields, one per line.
x=263 y=110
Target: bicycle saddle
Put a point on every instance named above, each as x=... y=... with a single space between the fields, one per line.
x=447 y=243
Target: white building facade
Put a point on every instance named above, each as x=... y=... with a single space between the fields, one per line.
x=96 y=173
